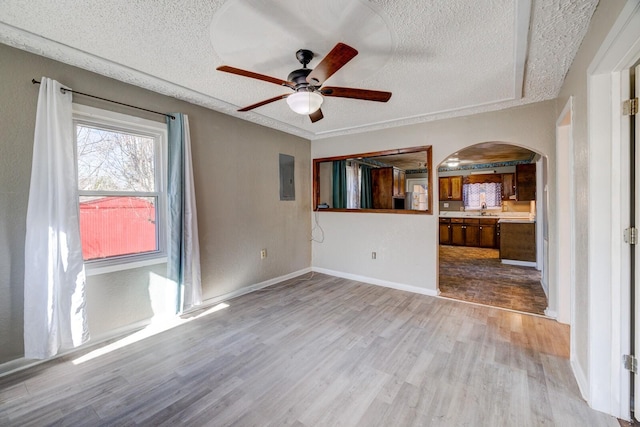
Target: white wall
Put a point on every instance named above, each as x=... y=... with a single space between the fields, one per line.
x=409 y=243
x=595 y=356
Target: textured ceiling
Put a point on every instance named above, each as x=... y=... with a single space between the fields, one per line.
x=404 y=161
x=440 y=58
x=491 y=154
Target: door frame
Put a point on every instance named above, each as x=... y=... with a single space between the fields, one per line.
x=606 y=384
x=562 y=300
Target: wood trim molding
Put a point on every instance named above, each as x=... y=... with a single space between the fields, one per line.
x=429 y=162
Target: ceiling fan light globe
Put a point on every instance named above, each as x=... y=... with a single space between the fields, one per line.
x=305 y=102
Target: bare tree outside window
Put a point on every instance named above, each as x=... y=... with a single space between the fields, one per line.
x=114 y=161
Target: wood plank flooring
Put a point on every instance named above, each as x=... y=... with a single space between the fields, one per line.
x=319 y=351
x=477 y=275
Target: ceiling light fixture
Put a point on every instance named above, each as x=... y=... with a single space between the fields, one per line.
x=453 y=162
x=304 y=102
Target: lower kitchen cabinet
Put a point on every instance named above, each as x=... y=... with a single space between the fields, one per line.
x=457 y=234
x=488 y=233
x=465 y=232
x=469 y=232
x=445 y=231
x=518 y=241
x=472 y=234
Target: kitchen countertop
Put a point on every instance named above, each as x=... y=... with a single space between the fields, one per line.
x=522 y=217
x=517 y=220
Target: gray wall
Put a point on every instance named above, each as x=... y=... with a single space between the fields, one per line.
x=237 y=193
x=576 y=85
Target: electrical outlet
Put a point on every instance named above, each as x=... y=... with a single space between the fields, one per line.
x=263 y=254
x=373 y=255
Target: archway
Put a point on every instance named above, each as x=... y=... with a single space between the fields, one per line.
x=493 y=227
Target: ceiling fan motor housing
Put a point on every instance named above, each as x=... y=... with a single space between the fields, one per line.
x=299 y=77
x=304 y=56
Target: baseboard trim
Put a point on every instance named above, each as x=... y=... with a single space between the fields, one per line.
x=378 y=282
x=520 y=263
x=20 y=364
x=581 y=379
x=249 y=289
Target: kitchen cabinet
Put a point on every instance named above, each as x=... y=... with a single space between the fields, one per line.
x=465 y=232
x=472 y=232
x=518 y=241
x=445 y=231
x=399 y=182
x=387 y=185
x=526 y=182
x=508 y=186
x=450 y=188
x=488 y=233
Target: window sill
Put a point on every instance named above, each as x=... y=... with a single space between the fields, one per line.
x=94 y=270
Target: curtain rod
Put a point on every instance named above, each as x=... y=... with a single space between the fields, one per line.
x=63 y=89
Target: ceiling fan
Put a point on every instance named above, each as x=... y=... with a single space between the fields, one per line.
x=307 y=83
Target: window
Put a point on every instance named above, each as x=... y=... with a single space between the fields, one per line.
x=353 y=185
x=121 y=188
x=482 y=195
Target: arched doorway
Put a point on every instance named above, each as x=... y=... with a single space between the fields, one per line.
x=493 y=234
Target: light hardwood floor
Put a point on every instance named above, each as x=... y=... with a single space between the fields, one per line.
x=319 y=352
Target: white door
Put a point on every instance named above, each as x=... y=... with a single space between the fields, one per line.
x=636 y=281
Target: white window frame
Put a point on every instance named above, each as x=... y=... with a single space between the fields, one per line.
x=118 y=122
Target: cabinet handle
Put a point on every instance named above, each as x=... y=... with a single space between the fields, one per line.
x=480 y=228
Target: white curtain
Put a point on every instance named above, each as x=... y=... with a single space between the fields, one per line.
x=353 y=185
x=475 y=195
x=54 y=279
x=183 y=266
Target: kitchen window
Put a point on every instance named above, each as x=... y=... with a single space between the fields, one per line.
x=121 y=188
x=482 y=195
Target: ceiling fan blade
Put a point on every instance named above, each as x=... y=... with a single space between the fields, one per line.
x=253 y=75
x=348 y=92
x=265 y=102
x=316 y=115
x=336 y=59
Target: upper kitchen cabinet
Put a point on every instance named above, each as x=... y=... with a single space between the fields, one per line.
x=450 y=188
x=388 y=186
x=399 y=182
x=508 y=186
x=526 y=182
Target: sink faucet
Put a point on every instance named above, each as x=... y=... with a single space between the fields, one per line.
x=483 y=209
